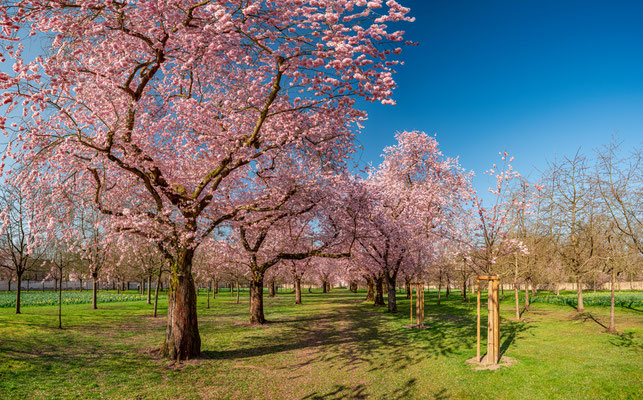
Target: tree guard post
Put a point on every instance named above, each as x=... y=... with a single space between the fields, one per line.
x=411 y=307
x=478 y=346
x=419 y=306
x=419 y=314
x=493 y=321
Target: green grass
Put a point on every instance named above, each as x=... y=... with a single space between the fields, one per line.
x=333 y=346
x=8 y=299
x=628 y=299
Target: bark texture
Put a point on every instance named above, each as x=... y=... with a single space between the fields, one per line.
x=392 y=303
x=297 y=290
x=182 y=340
x=379 y=291
x=256 y=299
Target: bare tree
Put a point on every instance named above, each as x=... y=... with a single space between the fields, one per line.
x=20 y=249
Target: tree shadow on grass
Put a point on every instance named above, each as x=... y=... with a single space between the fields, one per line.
x=351 y=334
x=509 y=332
x=626 y=340
x=406 y=391
x=587 y=316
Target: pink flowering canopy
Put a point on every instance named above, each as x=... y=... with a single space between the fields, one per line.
x=159 y=110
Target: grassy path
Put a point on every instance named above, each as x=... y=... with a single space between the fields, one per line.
x=332 y=347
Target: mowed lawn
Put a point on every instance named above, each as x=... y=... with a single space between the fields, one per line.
x=334 y=346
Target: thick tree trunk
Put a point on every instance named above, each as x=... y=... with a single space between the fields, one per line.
x=94 y=290
x=256 y=299
x=182 y=340
x=448 y=286
x=612 y=327
x=579 y=286
x=271 y=288
x=379 y=291
x=324 y=287
x=18 y=292
x=9 y=284
x=353 y=287
x=370 y=292
x=216 y=287
x=156 y=293
x=392 y=303
x=297 y=290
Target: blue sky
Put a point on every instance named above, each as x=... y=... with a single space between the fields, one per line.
x=538 y=79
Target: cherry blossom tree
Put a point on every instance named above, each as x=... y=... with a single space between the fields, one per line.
x=496 y=222
x=158 y=110
x=415 y=192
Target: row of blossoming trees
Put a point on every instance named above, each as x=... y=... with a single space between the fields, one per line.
x=212 y=139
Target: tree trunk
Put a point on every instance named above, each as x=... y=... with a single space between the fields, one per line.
x=271 y=288
x=379 y=291
x=439 y=288
x=579 y=287
x=448 y=286
x=464 y=289
x=612 y=327
x=208 y=294
x=231 y=289
x=392 y=303
x=237 y=291
x=297 y=290
x=216 y=288
x=149 y=288
x=526 y=294
x=81 y=284
x=557 y=289
x=517 y=301
x=256 y=299
x=94 y=290
x=324 y=287
x=407 y=286
x=9 y=284
x=18 y=292
x=370 y=292
x=182 y=339
x=60 y=308
x=156 y=292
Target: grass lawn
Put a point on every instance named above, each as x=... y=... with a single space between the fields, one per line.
x=333 y=346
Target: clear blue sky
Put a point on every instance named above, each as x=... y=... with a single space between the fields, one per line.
x=537 y=78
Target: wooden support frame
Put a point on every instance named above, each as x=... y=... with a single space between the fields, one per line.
x=419 y=304
x=493 y=320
